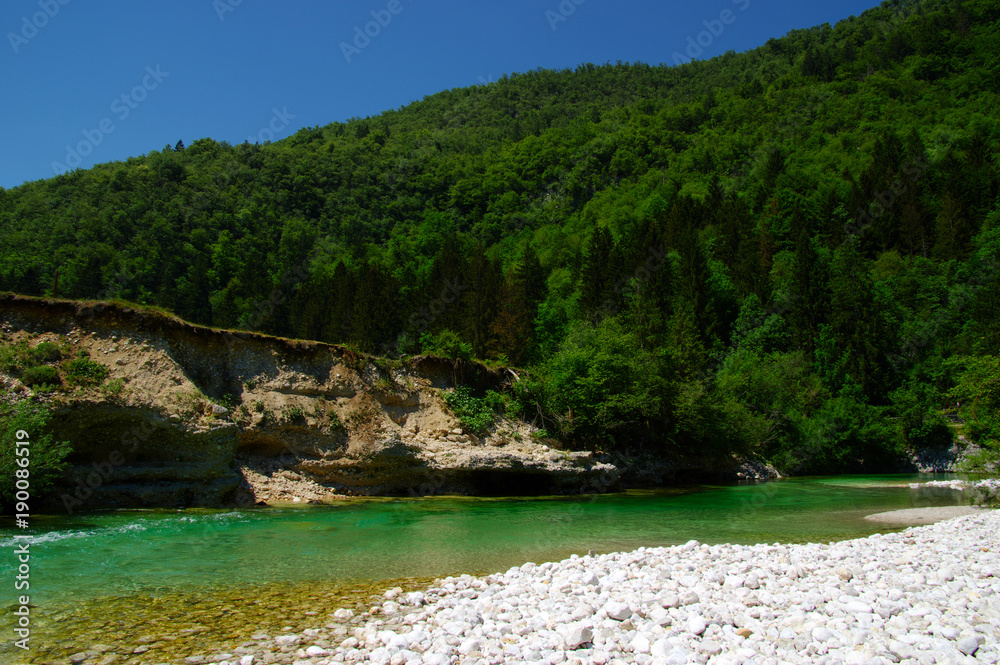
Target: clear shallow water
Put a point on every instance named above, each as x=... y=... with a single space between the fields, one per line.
x=157 y=552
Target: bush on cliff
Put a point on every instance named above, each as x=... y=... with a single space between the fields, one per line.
x=43 y=375
x=85 y=372
x=476 y=414
x=46 y=459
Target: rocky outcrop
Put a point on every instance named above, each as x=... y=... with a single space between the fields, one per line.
x=195 y=416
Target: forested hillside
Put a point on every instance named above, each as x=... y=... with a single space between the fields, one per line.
x=793 y=251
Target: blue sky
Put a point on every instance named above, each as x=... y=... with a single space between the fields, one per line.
x=119 y=78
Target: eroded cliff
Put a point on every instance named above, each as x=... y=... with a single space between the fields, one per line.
x=195 y=416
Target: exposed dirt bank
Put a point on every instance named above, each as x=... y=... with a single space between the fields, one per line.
x=196 y=416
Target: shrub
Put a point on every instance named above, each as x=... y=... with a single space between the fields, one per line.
x=446 y=344
x=43 y=375
x=476 y=414
x=386 y=385
x=45 y=352
x=984 y=461
x=16 y=356
x=48 y=457
x=601 y=385
x=82 y=371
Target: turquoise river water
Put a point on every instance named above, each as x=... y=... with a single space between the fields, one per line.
x=111 y=553
x=141 y=565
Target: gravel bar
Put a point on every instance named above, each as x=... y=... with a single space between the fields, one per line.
x=929 y=594
x=922 y=516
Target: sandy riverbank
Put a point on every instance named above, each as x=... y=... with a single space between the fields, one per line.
x=922 y=516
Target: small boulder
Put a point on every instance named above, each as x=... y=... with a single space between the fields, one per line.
x=617 y=611
x=970 y=645
x=577 y=635
x=822 y=634
x=696 y=625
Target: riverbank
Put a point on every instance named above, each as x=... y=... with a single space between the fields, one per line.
x=170 y=414
x=926 y=594
x=921 y=516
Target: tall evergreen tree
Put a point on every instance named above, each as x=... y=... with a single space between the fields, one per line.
x=598 y=272
x=692 y=281
x=808 y=300
x=862 y=338
x=337 y=322
x=952 y=230
x=374 y=320
x=441 y=304
x=481 y=300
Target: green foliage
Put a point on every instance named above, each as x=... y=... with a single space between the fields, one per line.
x=977 y=385
x=765 y=396
x=976 y=393
x=82 y=371
x=844 y=435
x=603 y=384
x=43 y=375
x=45 y=352
x=445 y=344
x=385 y=384
x=774 y=252
x=917 y=406
x=984 y=461
x=336 y=424
x=112 y=390
x=47 y=458
x=476 y=414
x=21 y=355
x=293 y=414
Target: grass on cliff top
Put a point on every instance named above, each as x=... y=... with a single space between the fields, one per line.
x=151 y=314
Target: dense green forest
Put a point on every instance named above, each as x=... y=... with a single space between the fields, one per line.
x=792 y=252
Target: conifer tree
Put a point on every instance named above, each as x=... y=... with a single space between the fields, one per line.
x=481 y=300
x=952 y=230
x=808 y=301
x=597 y=272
